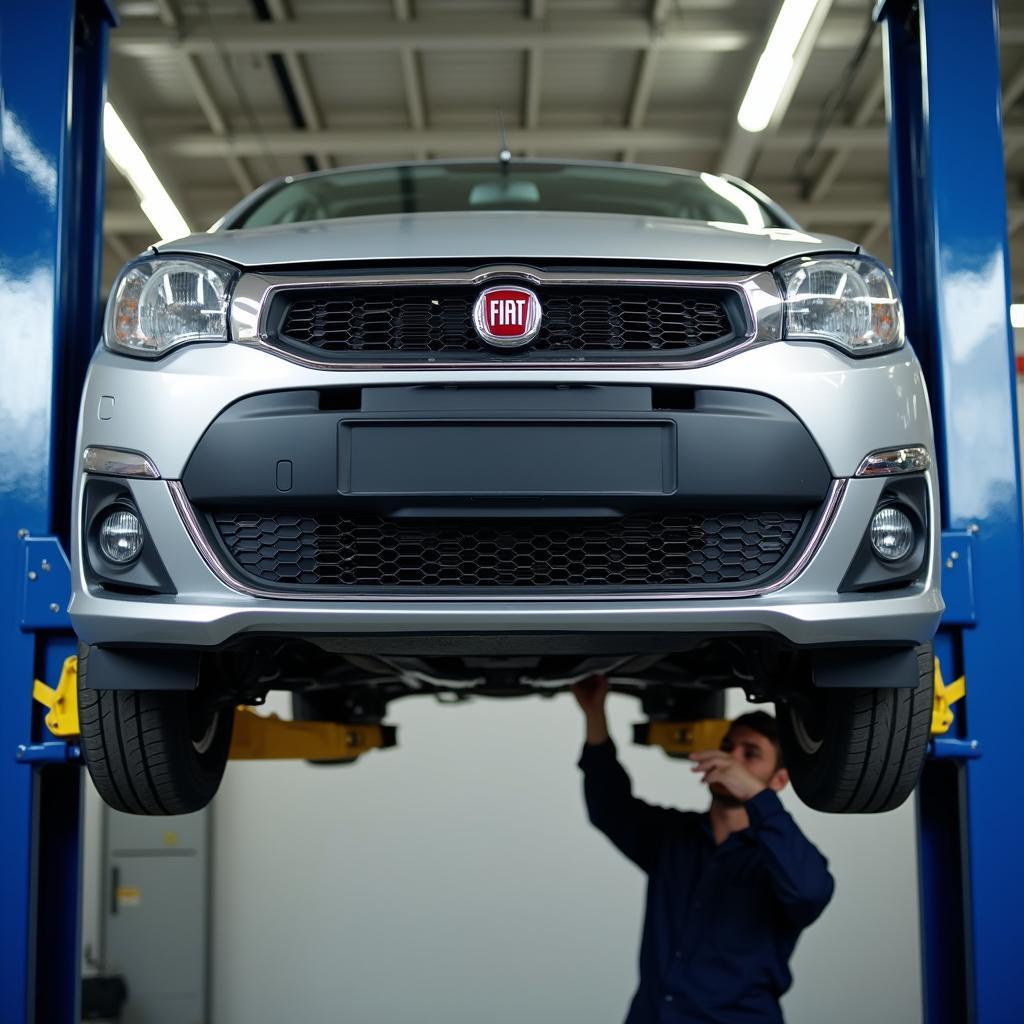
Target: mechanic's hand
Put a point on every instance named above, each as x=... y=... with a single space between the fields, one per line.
x=590 y=694
x=716 y=766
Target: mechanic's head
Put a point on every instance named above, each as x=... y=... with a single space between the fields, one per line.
x=753 y=740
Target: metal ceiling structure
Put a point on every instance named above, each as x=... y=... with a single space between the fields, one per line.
x=225 y=94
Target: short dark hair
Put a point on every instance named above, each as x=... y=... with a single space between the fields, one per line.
x=765 y=725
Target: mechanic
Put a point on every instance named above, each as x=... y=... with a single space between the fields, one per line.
x=728 y=892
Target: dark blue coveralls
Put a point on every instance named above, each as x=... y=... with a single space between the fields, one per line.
x=721 y=921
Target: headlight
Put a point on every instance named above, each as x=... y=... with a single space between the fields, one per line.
x=850 y=301
x=158 y=304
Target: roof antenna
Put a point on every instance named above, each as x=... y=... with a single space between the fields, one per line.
x=504 y=154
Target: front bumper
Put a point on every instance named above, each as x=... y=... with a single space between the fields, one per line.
x=850 y=408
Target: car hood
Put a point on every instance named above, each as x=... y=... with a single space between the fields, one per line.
x=506 y=235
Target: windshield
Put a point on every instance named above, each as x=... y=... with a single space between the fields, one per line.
x=575 y=188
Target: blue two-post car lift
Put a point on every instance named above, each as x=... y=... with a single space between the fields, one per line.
x=951 y=257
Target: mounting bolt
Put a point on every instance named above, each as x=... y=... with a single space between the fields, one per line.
x=44 y=565
x=22 y=534
x=954 y=555
x=54 y=607
x=33 y=575
x=974 y=528
x=949 y=563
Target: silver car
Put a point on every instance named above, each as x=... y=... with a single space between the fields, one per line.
x=491 y=428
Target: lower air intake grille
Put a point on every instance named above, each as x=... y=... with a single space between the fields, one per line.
x=330 y=550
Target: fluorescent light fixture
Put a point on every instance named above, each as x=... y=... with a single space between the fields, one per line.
x=1017 y=314
x=775 y=65
x=743 y=201
x=126 y=156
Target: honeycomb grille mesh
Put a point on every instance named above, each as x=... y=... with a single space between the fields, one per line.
x=331 y=550
x=604 y=321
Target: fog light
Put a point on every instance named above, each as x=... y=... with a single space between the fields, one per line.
x=892 y=534
x=121 y=536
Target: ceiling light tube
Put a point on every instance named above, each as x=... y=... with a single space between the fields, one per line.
x=126 y=156
x=1017 y=314
x=775 y=65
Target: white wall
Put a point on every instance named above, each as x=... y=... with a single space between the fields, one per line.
x=456 y=879
x=92 y=875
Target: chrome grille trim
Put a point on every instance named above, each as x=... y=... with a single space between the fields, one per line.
x=252 y=297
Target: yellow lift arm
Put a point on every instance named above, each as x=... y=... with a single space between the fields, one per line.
x=678 y=739
x=945 y=698
x=62 y=719
x=255 y=737
x=266 y=737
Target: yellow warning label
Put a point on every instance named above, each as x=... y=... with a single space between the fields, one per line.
x=129 y=895
x=170 y=839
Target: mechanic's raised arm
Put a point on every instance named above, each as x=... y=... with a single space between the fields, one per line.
x=799 y=873
x=634 y=826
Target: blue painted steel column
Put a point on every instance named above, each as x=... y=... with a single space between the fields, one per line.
x=52 y=60
x=950 y=244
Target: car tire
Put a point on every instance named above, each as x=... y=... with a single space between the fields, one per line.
x=151 y=751
x=858 y=750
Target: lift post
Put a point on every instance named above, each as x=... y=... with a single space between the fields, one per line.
x=947 y=176
x=52 y=68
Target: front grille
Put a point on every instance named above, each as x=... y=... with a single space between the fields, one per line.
x=437 y=322
x=697 y=550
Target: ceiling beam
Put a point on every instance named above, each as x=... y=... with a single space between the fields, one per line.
x=1011 y=94
x=169 y=17
x=1014 y=89
x=742 y=147
x=345 y=33
x=216 y=121
x=874 y=234
x=412 y=76
x=837 y=213
x=118 y=246
x=126 y=221
x=643 y=86
x=296 y=67
x=533 y=71
x=644 y=82
x=532 y=76
x=374 y=142
x=862 y=116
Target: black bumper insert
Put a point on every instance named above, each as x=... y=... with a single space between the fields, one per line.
x=327 y=550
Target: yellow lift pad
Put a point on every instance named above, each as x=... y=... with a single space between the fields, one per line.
x=678 y=739
x=62 y=719
x=945 y=698
x=267 y=737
